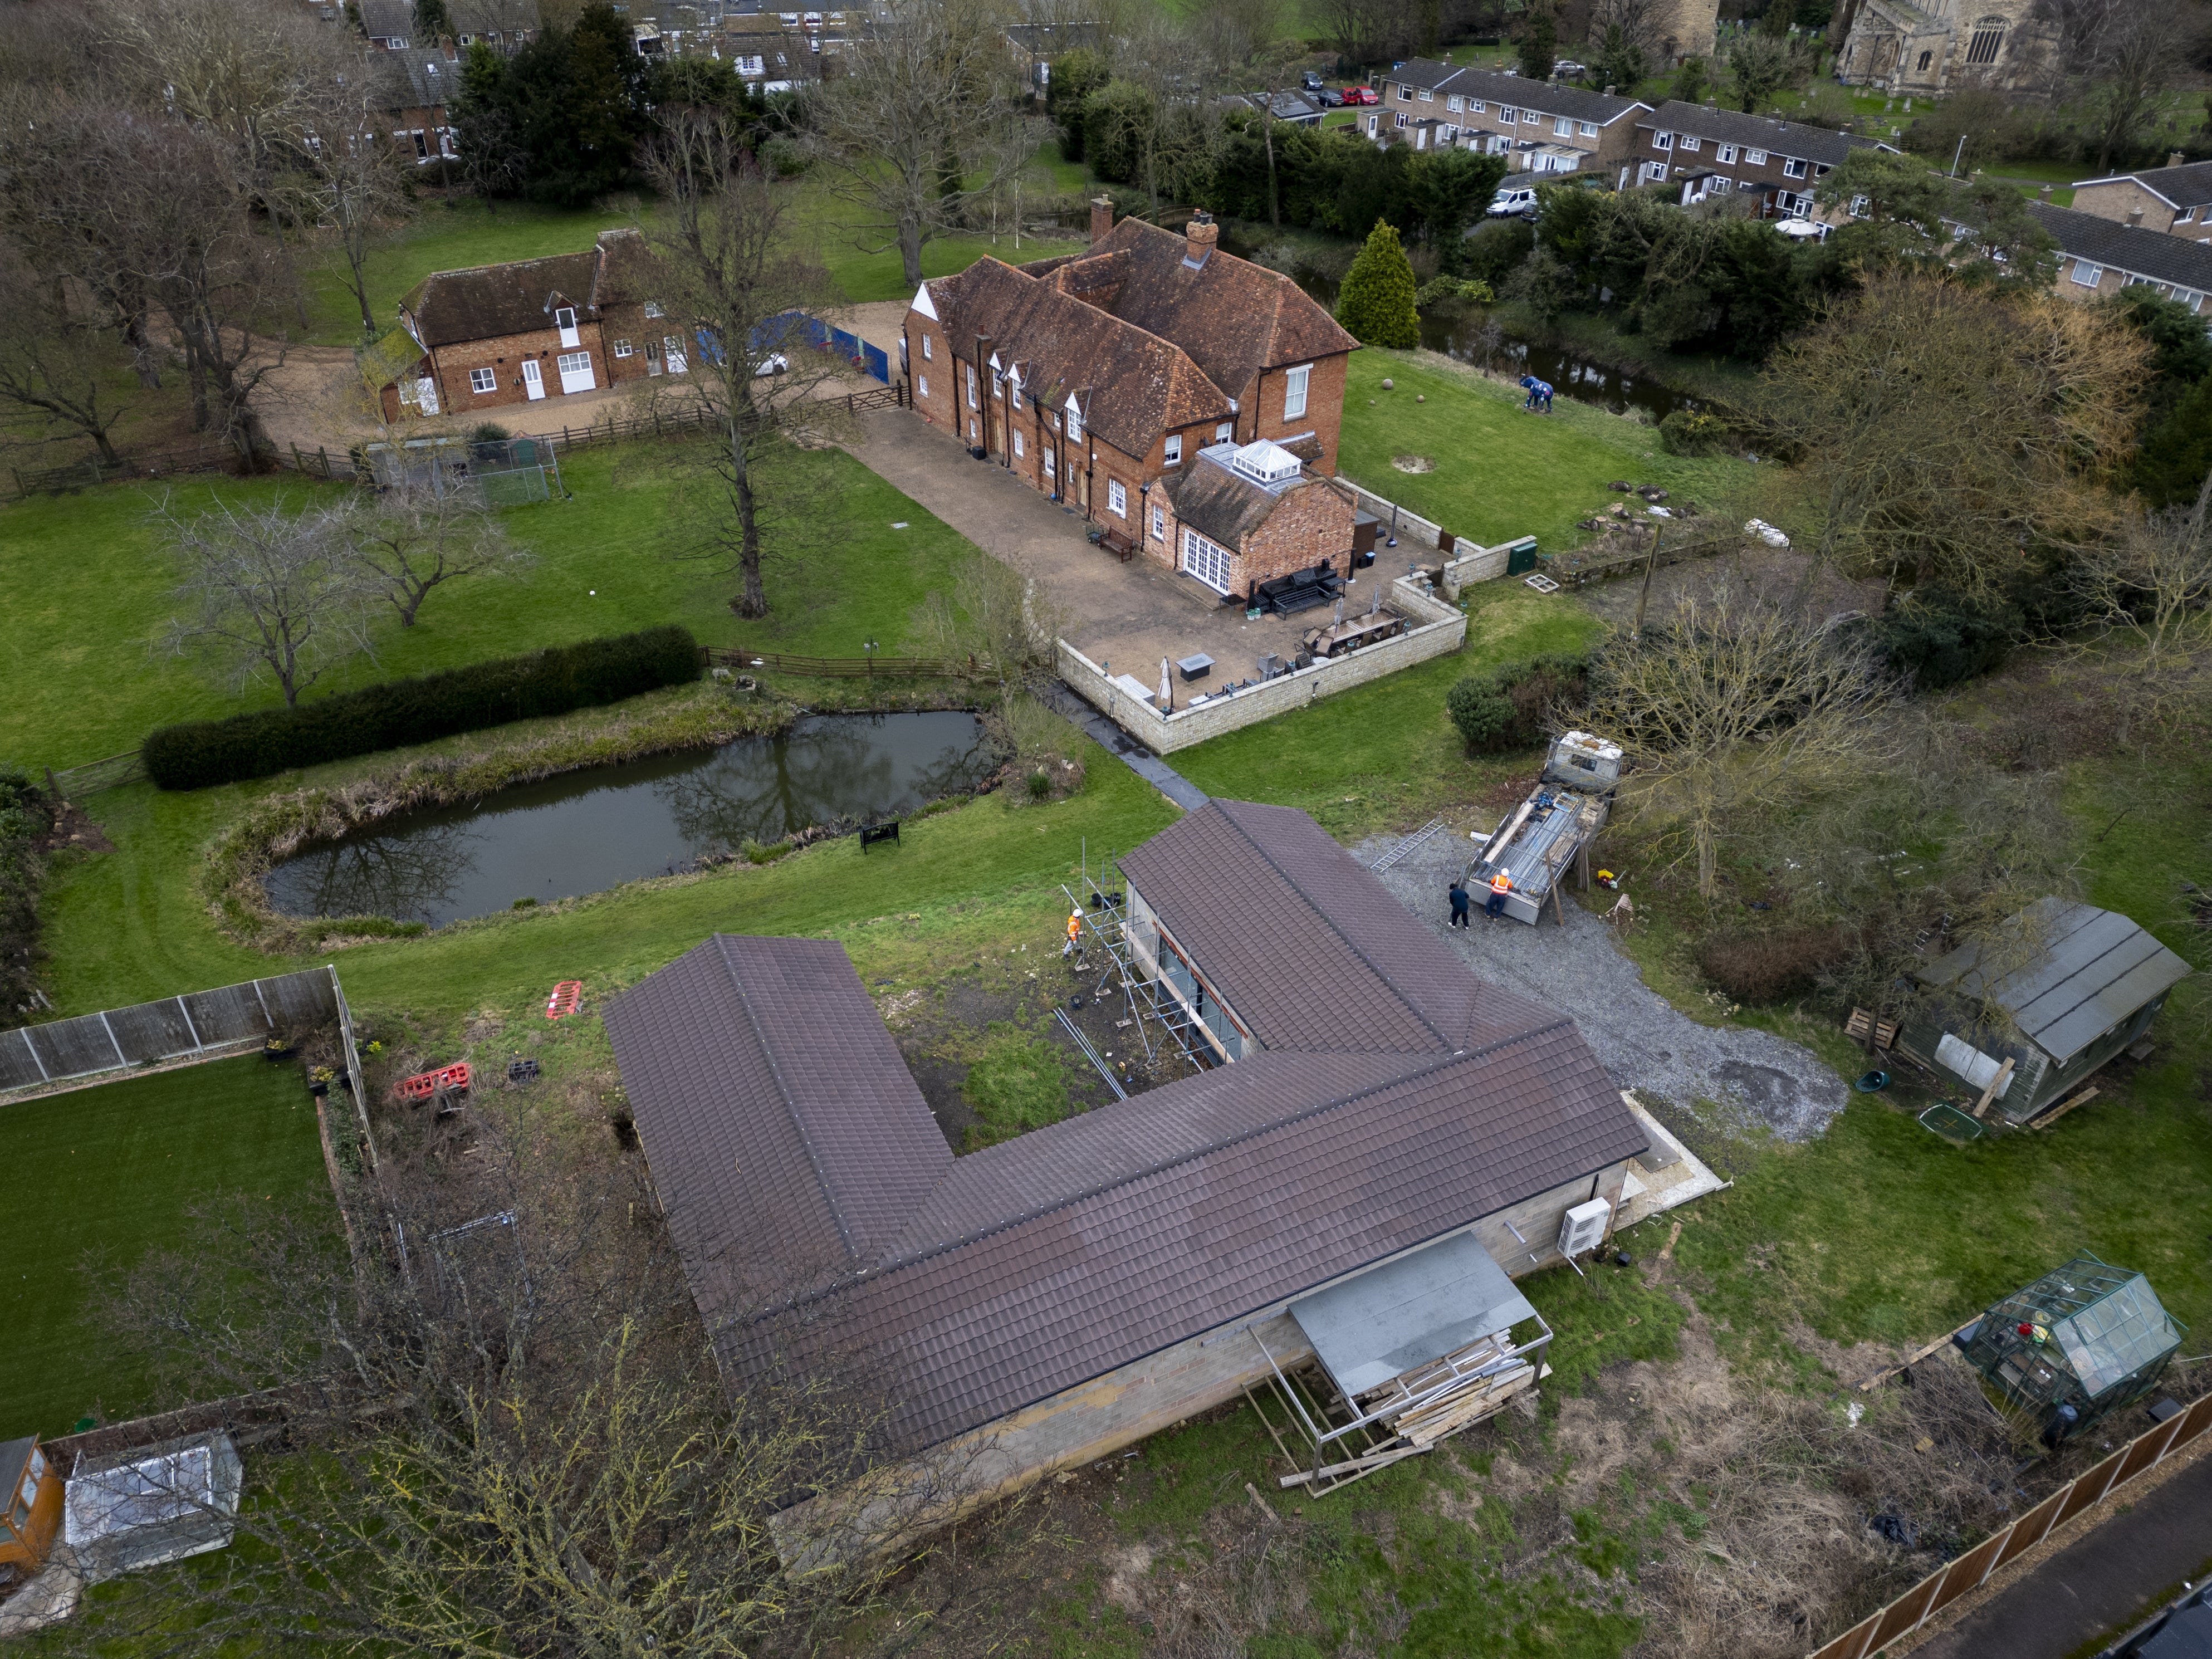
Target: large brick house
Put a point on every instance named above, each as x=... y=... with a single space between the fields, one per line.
x=1707 y=149
x=1097 y=377
x=540 y=328
x=2175 y=199
x=1239 y=515
x=1537 y=126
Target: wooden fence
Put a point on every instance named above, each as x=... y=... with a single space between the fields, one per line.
x=868 y=667
x=137 y=466
x=1974 y=1568
x=96 y=776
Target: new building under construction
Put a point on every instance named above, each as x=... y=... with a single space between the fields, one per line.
x=1369 y=1144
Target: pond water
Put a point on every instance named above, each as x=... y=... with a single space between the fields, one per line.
x=1459 y=332
x=586 y=831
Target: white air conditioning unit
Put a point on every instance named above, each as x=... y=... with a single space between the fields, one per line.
x=1583 y=1228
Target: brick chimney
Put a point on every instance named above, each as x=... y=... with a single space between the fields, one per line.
x=2173 y=158
x=1101 y=217
x=1202 y=237
x=2044 y=194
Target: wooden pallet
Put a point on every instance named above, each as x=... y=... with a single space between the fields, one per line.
x=1884 y=1031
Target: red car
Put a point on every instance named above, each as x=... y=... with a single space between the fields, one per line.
x=1362 y=95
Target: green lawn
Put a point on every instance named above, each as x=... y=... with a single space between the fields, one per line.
x=1500 y=471
x=87 y=676
x=111 y=1169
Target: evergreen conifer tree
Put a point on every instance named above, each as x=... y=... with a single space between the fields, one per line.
x=1375 y=304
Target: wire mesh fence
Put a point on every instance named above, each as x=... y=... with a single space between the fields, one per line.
x=175 y=1028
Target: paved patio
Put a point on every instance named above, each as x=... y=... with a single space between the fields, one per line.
x=1128 y=615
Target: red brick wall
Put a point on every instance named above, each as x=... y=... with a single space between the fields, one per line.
x=1260 y=413
x=945 y=403
x=1308 y=525
x=505 y=354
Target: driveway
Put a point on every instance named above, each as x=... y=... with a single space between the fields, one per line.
x=1639 y=1037
x=1130 y=615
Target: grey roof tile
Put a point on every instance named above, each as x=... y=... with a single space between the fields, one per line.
x=2129 y=248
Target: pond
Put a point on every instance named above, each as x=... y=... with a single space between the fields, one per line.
x=1458 y=332
x=590 y=829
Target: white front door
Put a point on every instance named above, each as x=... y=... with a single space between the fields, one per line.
x=533 y=383
x=576 y=371
x=674 y=344
x=565 y=321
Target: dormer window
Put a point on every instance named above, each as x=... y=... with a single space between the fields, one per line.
x=1014 y=392
x=1174 y=450
x=1074 y=422
x=652 y=307
x=564 y=317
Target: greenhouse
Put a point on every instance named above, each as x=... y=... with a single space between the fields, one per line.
x=2075 y=1345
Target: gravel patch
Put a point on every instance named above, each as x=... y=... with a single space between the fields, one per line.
x=1636 y=1035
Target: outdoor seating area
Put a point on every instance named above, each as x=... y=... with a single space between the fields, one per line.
x=1302 y=590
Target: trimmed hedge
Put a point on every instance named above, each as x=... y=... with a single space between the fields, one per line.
x=401 y=712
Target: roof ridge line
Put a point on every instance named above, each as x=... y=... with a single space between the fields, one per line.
x=783 y=1092
x=1436 y=1063
x=1427 y=1024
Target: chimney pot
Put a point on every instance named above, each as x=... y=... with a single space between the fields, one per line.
x=2135 y=216
x=1201 y=236
x=1102 y=217
x=2173 y=158
x=2044 y=194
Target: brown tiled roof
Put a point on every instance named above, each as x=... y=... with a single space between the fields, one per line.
x=799 y=1144
x=1233 y=317
x=1226 y=506
x=1145 y=385
x=626 y=273
x=1397 y=1100
x=449 y=307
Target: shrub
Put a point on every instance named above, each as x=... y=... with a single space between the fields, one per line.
x=26 y=814
x=1465 y=290
x=1495 y=246
x=1768 y=967
x=1375 y=303
x=409 y=711
x=1686 y=433
x=1511 y=708
x=1940 y=639
x=487 y=432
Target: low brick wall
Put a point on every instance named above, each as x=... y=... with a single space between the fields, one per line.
x=1436 y=628
x=1466 y=562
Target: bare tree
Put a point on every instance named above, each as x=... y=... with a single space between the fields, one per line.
x=1946 y=434
x=2151 y=586
x=419 y=537
x=1728 y=713
x=2131 y=63
x=996 y=615
x=919 y=122
x=726 y=256
x=58 y=353
x=354 y=173
x=270 y=588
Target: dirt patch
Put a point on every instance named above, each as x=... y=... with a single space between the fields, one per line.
x=1413 y=463
x=74 y=831
x=1766 y=576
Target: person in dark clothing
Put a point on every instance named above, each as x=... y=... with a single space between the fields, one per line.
x=1462 y=905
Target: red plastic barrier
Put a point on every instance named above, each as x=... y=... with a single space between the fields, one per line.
x=567 y=996
x=424 y=1084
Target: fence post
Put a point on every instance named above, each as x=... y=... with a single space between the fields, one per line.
x=323 y=452
x=298 y=465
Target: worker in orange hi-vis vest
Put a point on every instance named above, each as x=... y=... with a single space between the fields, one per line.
x=1074 y=933
x=1500 y=885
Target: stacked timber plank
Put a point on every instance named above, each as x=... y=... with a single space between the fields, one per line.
x=1452 y=1393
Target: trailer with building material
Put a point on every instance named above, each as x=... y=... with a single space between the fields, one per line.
x=1539 y=840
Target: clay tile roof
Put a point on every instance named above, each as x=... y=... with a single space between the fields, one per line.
x=1233 y=317
x=1397 y=1099
x=1224 y=506
x=1145 y=385
x=449 y=307
x=626 y=274
x=799 y=1145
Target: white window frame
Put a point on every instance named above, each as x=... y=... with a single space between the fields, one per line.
x=672 y=351
x=564 y=317
x=1689 y=143
x=1171 y=449
x=927 y=354
x=1159 y=522
x=1075 y=425
x=1201 y=559
x=1859 y=206
x=1475 y=107
x=481 y=380
x=623 y=349
x=922 y=384
x=1754 y=158
x=1589 y=129
x=1020 y=453
x=1225 y=432
x=1792 y=168
x=652 y=307
x=1505 y=113
x=1655 y=173
x=972 y=403
x=1455 y=103
x=1562 y=127
x=1663 y=141
x=1727 y=155
x=2095 y=278
x=1117 y=498
x=1426 y=96
x=1401 y=119
x=2185 y=215
x=1014 y=392
x=1050 y=471
x=1298 y=385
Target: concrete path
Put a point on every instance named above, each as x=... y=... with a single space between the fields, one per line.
x=2099 y=1586
x=1641 y=1039
x=1126 y=749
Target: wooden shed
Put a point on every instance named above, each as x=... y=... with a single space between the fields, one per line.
x=33 y=1508
x=2059 y=990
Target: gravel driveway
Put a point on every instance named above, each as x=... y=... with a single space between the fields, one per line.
x=1636 y=1035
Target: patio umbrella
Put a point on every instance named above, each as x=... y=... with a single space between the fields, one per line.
x=1166 y=687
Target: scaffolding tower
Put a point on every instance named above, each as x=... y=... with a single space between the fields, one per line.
x=1164 y=1024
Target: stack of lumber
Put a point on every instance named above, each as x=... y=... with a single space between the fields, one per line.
x=1452 y=1393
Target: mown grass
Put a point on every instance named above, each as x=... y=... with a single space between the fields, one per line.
x=92 y=586
x=1500 y=470
x=112 y=1171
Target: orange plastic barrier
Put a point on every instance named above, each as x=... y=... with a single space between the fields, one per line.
x=424 y=1084
x=565 y=998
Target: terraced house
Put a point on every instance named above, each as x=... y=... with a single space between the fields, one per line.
x=2174 y=200
x=1537 y=126
x=1097 y=378
x=2097 y=256
x=1710 y=151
